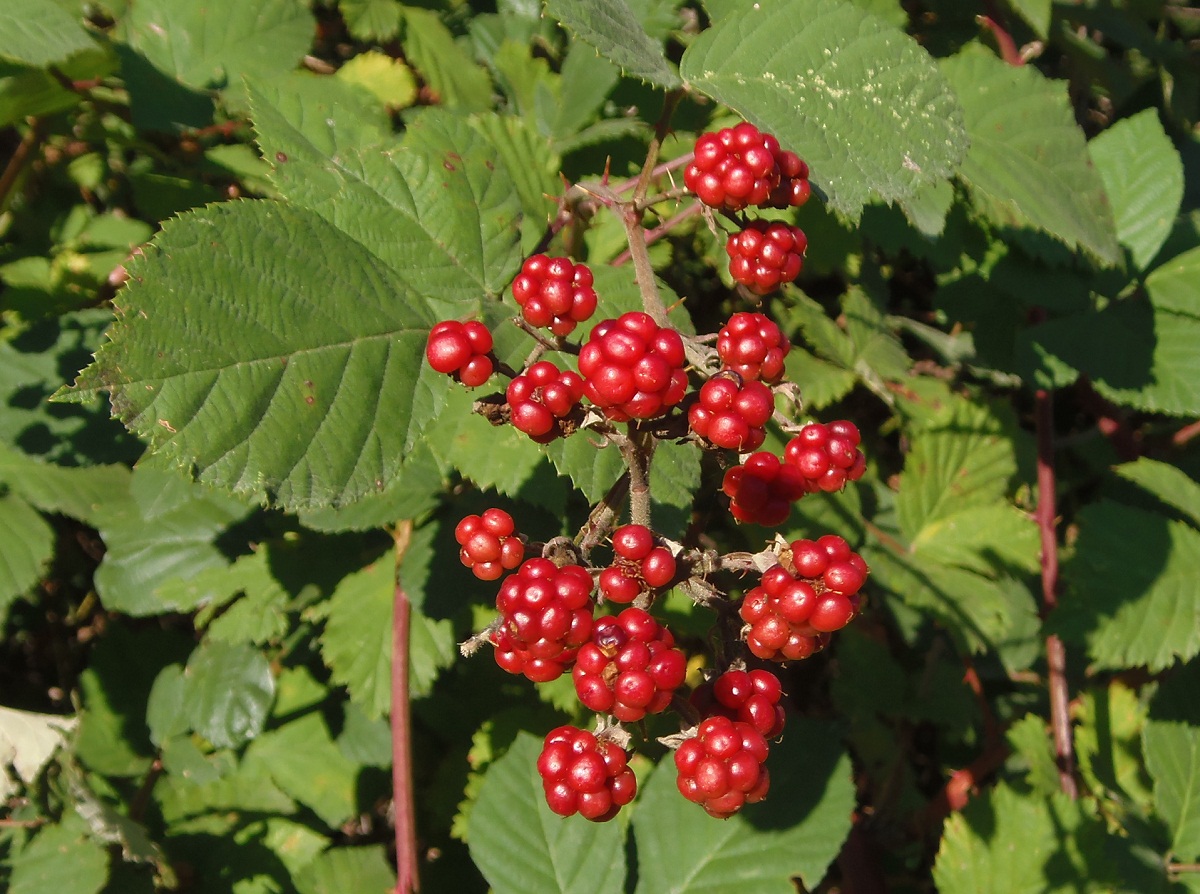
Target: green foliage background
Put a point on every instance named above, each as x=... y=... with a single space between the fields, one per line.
x=230 y=226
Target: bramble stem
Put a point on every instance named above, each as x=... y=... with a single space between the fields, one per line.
x=1056 y=653
x=20 y=156
x=658 y=232
x=661 y=128
x=407 y=876
x=643 y=271
x=603 y=516
x=637 y=454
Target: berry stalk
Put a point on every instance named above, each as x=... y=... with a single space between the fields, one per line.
x=407 y=876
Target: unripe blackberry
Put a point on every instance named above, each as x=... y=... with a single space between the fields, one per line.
x=827 y=455
x=545 y=616
x=629 y=668
x=836 y=574
x=639 y=567
x=741 y=166
x=721 y=769
x=732 y=414
x=762 y=489
x=461 y=350
x=766 y=254
x=584 y=774
x=632 y=368
x=489 y=544
x=554 y=293
x=541 y=398
x=749 y=696
x=753 y=346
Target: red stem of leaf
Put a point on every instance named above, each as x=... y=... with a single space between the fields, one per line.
x=1186 y=434
x=1056 y=654
x=407 y=877
x=957 y=791
x=994 y=22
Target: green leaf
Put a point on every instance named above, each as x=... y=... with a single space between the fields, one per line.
x=821 y=383
x=166 y=707
x=216 y=44
x=357 y=642
x=1060 y=848
x=159 y=542
x=453 y=75
x=300 y=343
x=1175 y=286
x=521 y=847
x=229 y=692
x=797 y=830
x=376 y=21
x=40 y=33
x=1132 y=597
x=1135 y=355
x=1028 y=164
x=26 y=547
x=674 y=483
x=1030 y=739
x=1170 y=484
x=859 y=100
x=27 y=742
x=1108 y=740
x=983 y=538
x=1036 y=14
x=78 y=493
x=367 y=867
x=1173 y=759
x=1143 y=177
x=62 y=858
x=612 y=28
x=389 y=80
x=306 y=764
x=310 y=119
x=961 y=467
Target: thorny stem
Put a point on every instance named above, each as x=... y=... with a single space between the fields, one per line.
x=637 y=455
x=661 y=128
x=1056 y=655
x=664 y=168
x=658 y=232
x=407 y=876
x=12 y=170
x=643 y=271
x=603 y=516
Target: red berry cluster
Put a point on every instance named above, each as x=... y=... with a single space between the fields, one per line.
x=766 y=254
x=630 y=667
x=584 y=774
x=541 y=398
x=489 y=544
x=741 y=166
x=753 y=346
x=732 y=413
x=789 y=616
x=545 y=616
x=762 y=489
x=721 y=768
x=461 y=350
x=749 y=696
x=554 y=293
x=633 y=368
x=640 y=566
x=827 y=455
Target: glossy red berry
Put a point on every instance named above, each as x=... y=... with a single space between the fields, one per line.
x=632 y=368
x=762 y=489
x=749 y=696
x=753 y=346
x=584 y=774
x=741 y=166
x=731 y=413
x=554 y=293
x=489 y=544
x=461 y=350
x=545 y=616
x=766 y=254
x=630 y=667
x=541 y=398
x=827 y=455
x=639 y=567
x=721 y=768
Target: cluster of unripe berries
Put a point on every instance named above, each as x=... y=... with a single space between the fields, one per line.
x=739 y=167
x=628 y=665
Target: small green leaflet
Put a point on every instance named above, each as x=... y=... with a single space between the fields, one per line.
x=612 y=28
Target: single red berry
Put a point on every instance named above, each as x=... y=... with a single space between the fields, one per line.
x=541 y=398
x=762 y=489
x=753 y=347
x=632 y=368
x=827 y=456
x=545 y=616
x=554 y=293
x=731 y=413
x=489 y=544
x=461 y=350
x=766 y=254
x=721 y=768
x=630 y=667
x=584 y=774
